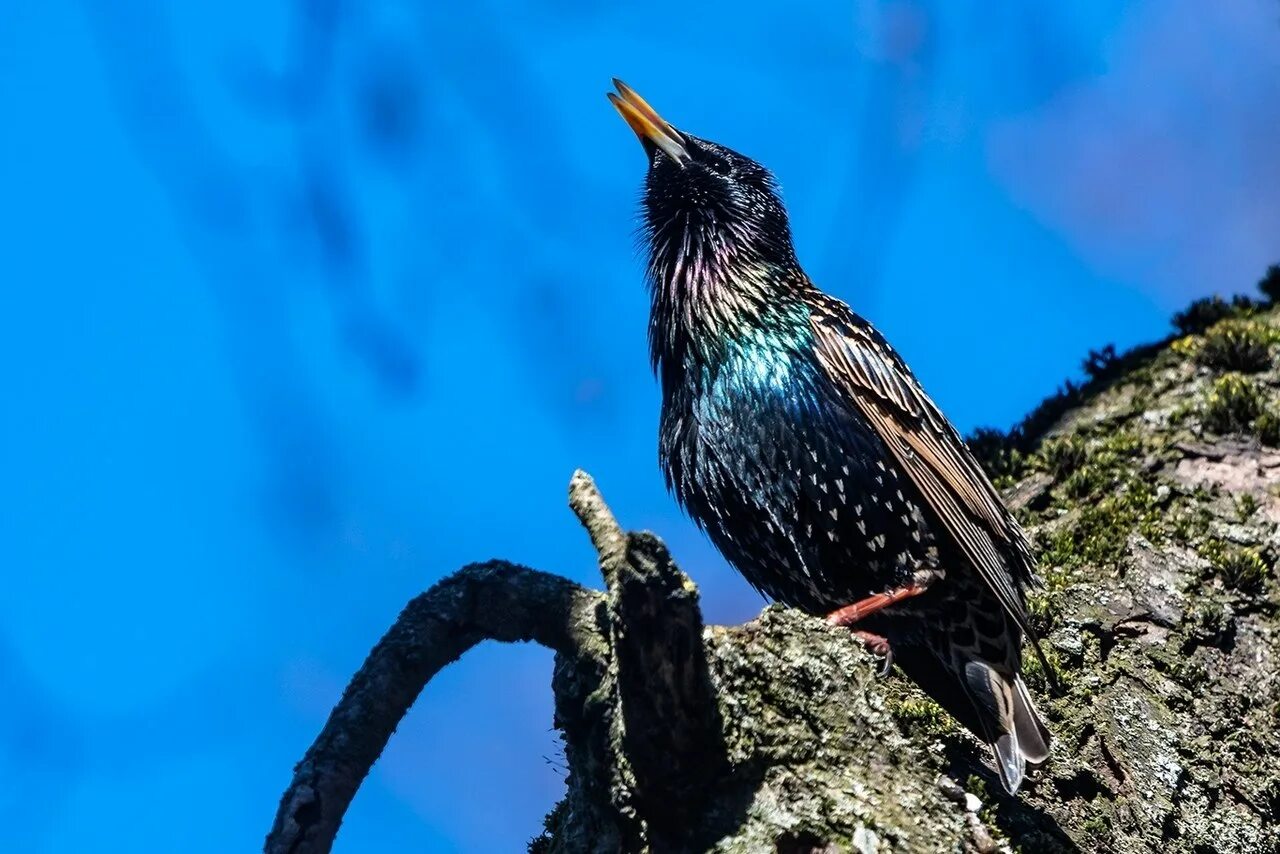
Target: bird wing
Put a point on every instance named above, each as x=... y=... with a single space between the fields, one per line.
x=874 y=379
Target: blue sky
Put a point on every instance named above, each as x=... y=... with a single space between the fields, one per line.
x=305 y=305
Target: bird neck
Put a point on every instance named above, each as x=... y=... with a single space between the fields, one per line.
x=704 y=316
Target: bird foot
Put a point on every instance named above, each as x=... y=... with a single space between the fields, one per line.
x=877 y=645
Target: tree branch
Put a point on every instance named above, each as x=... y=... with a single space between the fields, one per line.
x=488 y=601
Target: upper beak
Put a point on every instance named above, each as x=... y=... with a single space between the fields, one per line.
x=653 y=131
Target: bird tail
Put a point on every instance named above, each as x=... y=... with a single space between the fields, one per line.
x=988 y=699
x=1008 y=719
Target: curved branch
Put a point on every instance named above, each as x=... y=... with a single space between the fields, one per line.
x=488 y=601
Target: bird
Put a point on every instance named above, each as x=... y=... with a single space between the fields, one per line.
x=800 y=442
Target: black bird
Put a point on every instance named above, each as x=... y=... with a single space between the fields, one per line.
x=799 y=440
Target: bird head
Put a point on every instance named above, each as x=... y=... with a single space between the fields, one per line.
x=710 y=212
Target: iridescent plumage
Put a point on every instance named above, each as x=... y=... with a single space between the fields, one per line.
x=797 y=438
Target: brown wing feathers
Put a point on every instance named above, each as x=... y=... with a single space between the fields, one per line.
x=930 y=451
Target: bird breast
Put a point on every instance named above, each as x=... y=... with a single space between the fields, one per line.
x=801 y=497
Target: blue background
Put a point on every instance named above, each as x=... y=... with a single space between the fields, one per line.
x=304 y=305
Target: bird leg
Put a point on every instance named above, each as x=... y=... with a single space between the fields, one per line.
x=850 y=614
x=878 y=645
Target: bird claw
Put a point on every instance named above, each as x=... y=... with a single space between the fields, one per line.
x=877 y=645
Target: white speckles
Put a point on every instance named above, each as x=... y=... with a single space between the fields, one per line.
x=831 y=535
x=823 y=487
x=900 y=498
x=857 y=508
x=878 y=541
x=808 y=531
x=835 y=516
x=840 y=484
x=862 y=528
x=905 y=520
x=880 y=464
x=843 y=500
x=875 y=499
x=915 y=535
x=813 y=478
x=845 y=469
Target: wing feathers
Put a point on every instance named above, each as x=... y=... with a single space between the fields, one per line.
x=873 y=378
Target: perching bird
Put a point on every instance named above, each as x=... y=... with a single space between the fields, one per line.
x=799 y=440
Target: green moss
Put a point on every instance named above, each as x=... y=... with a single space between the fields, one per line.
x=1203 y=313
x=1061 y=456
x=1190 y=518
x=1239 y=568
x=1267 y=426
x=1207 y=620
x=1237 y=344
x=1246 y=506
x=1233 y=404
x=920 y=715
x=1270 y=284
x=1102 y=364
x=1037 y=677
x=1097 y=826
x=996 y=451
x=1099 y=534
x=1110 y=497
x=552 y=823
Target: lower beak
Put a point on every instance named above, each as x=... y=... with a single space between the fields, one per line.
x=655 y=134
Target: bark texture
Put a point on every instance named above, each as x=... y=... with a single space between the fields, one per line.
x=1153 y=497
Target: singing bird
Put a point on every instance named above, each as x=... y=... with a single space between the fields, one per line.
x=797 y=438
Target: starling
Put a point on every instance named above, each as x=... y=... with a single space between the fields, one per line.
x=801 y=443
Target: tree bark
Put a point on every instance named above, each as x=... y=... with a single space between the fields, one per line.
x=1157 y=538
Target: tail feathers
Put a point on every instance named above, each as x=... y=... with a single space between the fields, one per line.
x=1033 y=735
x=988 y=701
x=1009 y=721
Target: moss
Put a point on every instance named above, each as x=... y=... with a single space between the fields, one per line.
x=1237 y=345
x=1239 y=568
x=1038 y=678
x=1187 y=347
x=1246 y=506
x=1190 y=518
x=1233 y=404
x=1100 y=534
x=997 y=454
x=1112 y=500
x=552 y=822
x=1270 y=284
x=1267 y=426
x=1097 y=826
x=1061 y=456
x=1207 y=620
x=1203 y=313
x=1102 y=364
x=919 y=715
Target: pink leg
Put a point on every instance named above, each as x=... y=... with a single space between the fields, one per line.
x=850 y=614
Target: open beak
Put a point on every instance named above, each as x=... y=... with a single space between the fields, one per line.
x=654 y=133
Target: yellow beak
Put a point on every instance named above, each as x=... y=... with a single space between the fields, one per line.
x=654 y=132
